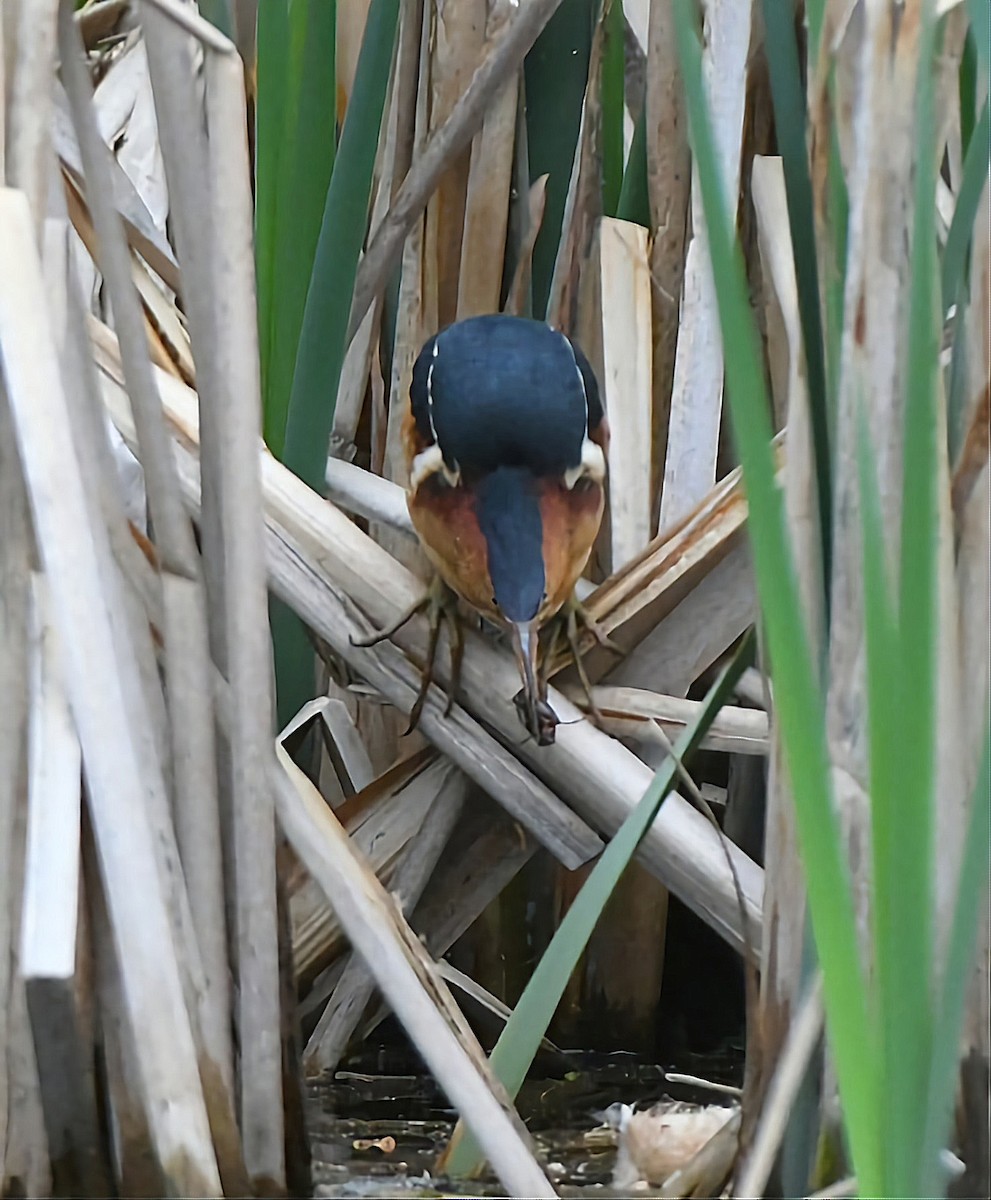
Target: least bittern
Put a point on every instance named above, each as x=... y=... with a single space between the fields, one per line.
x=505 y=442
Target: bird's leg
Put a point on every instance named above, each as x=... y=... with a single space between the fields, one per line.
x=439 y=603
x=571 y=634
x=569 y=621
x=435 y=615
x=552 y=631
x=576 y=612
x=457 y=654
x=406 y=615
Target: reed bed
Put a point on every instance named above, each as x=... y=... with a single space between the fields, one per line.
x=225 y=232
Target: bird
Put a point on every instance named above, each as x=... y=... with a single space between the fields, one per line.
x=506 y=444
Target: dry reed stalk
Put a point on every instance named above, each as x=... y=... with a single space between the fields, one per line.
x=50 y=920
x=505 y=57
x=367 y=495
x=356 y=986
x=185 y=157
x=583 y=204
x=125 y=798
x=246 y=616
x=190 y=699
x=516 y=297
x=383 y=833
x=632 y=603
x=5 y=21
x=456 y=47
x=143 y=235
x=696 y=397
x=32 y=54
x=803 y=1036
x=784 y=901
x=625 y=307
x=408 y=978
x=211 y=209
x=137 y=1172
x=669 y=176
x=733 y=731
x=89 y=435
x=486 y=210
x=158 y=312
x=696 y=632
x=393 y=161
x=484 y=854
x=196 y=807
x=417 y=303
x=15 y=556
x=874 y=291
x=349 y=759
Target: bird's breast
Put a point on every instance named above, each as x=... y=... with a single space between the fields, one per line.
x=446 y=521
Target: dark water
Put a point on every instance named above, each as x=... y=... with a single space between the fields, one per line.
x=383 y=1095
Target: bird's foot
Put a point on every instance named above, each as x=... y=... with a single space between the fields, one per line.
x=439 y=604
x=544 y=725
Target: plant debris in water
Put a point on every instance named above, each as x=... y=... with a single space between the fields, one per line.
x=377 y=1129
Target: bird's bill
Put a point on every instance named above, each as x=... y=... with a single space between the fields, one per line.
x=524 y=635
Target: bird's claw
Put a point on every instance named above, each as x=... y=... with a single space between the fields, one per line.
x=545 y=723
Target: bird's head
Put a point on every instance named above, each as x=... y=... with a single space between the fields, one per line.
x=506 y=443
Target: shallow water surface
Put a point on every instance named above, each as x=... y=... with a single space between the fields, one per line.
x=377 y=1128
